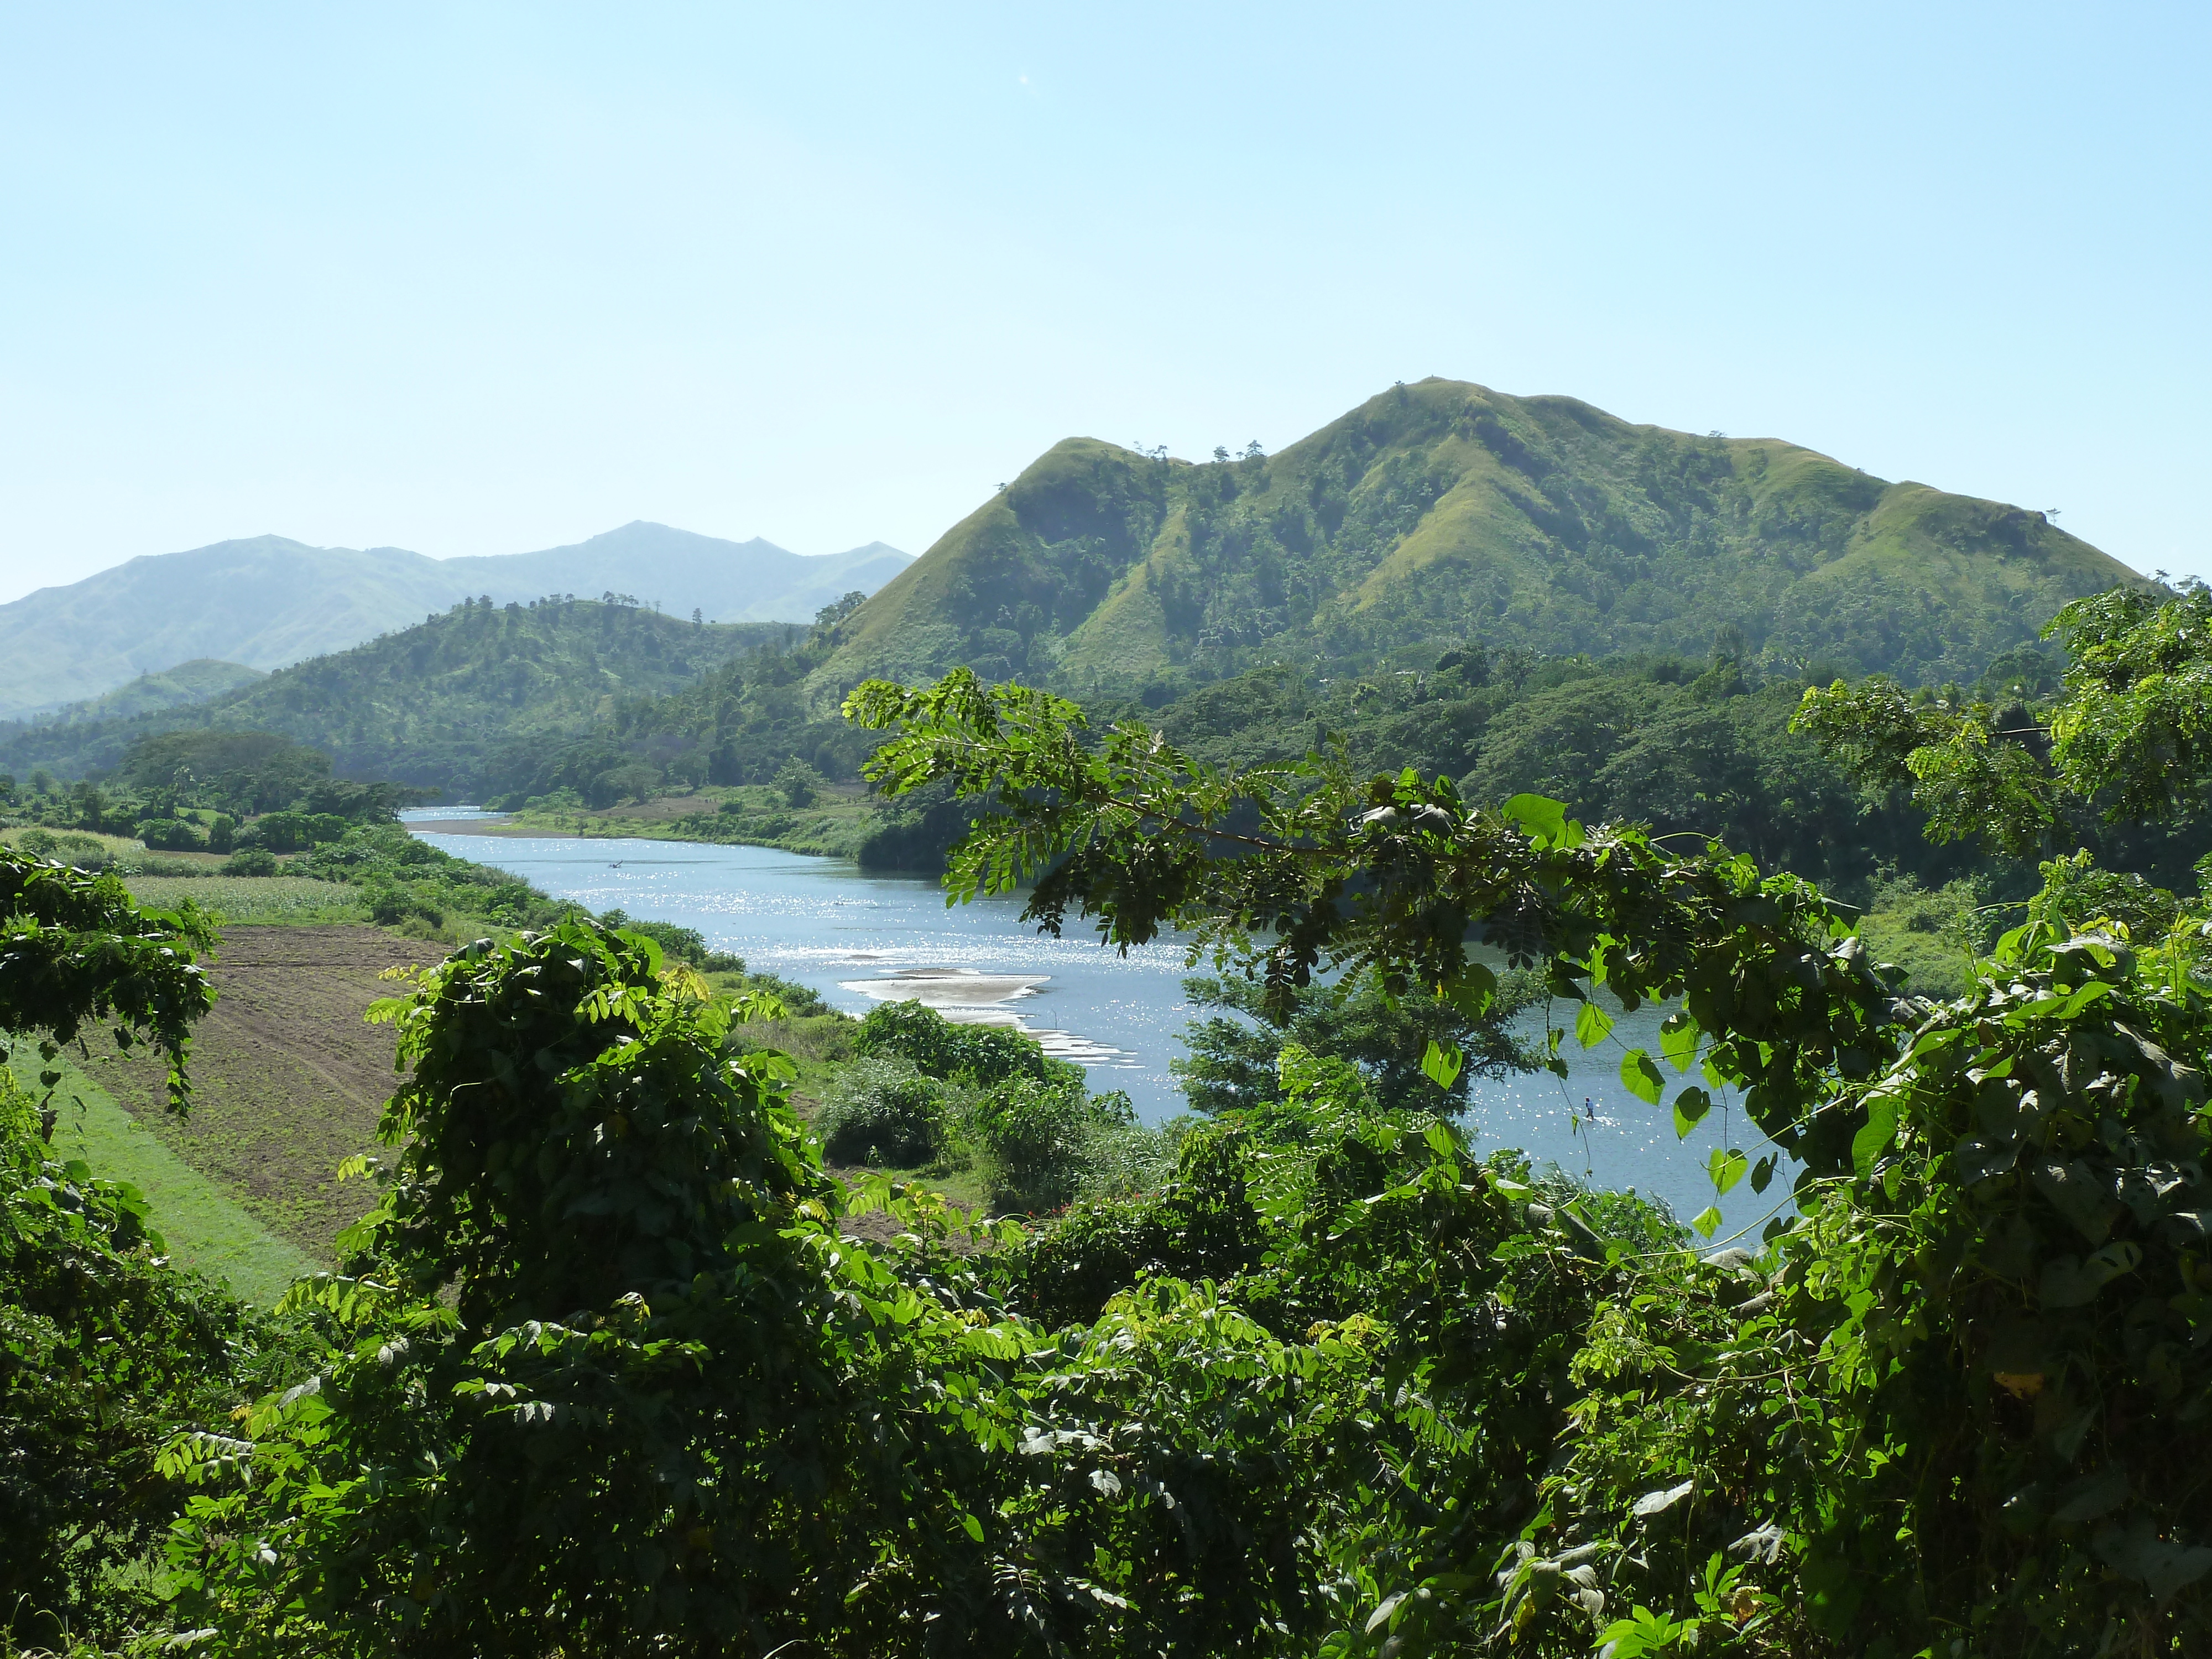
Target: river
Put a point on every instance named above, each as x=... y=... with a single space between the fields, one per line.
x=859 y=938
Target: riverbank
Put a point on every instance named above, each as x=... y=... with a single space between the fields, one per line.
x=834 y=825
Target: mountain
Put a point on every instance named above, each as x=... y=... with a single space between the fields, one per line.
x=267 y=602
x=431 y=704
x=1446 y=514
x=188 y=682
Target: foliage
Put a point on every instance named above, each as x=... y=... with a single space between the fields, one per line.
x=1232 y=1063
x=881 y=1110
x=1039 y=1140
x=686 y=945
x=1981 y=1192
x=251 y=861
x=75 y=951
x=1443 y=513
x=799 y=783
x=2128 y=735
x=103 y=1349
x=741 y=722
x=428 y=706
x=980 y=1054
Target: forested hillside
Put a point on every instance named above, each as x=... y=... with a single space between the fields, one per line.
x=1445 y=512
x=429 y=705
x=268 y=601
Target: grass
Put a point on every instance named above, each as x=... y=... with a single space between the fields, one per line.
x=251 y=900
x=288 y=1080
x=202 y=1221
x=1933 y=935
x=749 y=815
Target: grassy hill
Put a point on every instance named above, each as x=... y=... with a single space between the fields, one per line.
x=430 y=704
x=188 y=682
x=268 y=602
x=1445 y=514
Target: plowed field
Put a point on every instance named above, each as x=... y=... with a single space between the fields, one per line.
x=288 y=1080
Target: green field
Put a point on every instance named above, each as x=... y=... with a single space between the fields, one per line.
x=204 y=1226
x=249 y=899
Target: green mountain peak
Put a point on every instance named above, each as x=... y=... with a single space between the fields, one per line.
x=1443 y=513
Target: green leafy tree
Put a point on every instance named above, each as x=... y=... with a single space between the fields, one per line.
x=799 y=783
x=101 y=1347
x=1979 y=1192
x=1232 y=1063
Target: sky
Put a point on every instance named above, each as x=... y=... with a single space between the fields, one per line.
x=476 y=278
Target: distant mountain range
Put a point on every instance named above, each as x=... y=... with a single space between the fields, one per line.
x=268 y=602
x=1446 y=514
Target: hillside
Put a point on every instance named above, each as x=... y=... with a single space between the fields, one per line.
x=268 y=602
x=188 y=682
x=427 y=705
x=1445 y=514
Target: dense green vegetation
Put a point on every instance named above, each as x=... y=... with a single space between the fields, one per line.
x=266 y=601
x=604 y=1370
x=432 y=704
x=1445 y=514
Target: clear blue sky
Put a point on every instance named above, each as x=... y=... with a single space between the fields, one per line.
x=477 y=279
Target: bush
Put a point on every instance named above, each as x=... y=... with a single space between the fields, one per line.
x=799 y=783
x=167 y=835
x=683 y=944
x=883 y=1111
x=222 y=833
x=1036 y=1139
x=799 y=1001
x=721 y=962
x=293 y=832
x=988 y=1055
x=251 y=861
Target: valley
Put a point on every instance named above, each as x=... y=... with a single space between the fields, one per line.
x=1564 y=639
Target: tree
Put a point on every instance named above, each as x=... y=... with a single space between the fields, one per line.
x=2129 y=736
x=799 y=783
x=101 y=1347
x=1981 y=1186
x=1233 y=1061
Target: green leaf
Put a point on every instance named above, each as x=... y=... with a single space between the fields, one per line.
x=1639 y=1075
x=1544 y=819
x=1726 y=1167
x=1441 y=1065
x=1678 y=1040
x=972 y=1527
x=1690 y=1108
x=1592 y=1025
x=1872 y=1141
x=1762 y=1173
x=1707 y=1222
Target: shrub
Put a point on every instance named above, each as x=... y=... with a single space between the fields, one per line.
x=721 y=962
x=799 y=783
x=988 y=1054
x=883 y=1111
x=167 y=835
x=683 y=944
x=800 y=1001
x=251 y=861
x=222 y=833
x=1036 y=1140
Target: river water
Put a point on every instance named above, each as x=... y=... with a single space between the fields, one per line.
x=859 y=938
